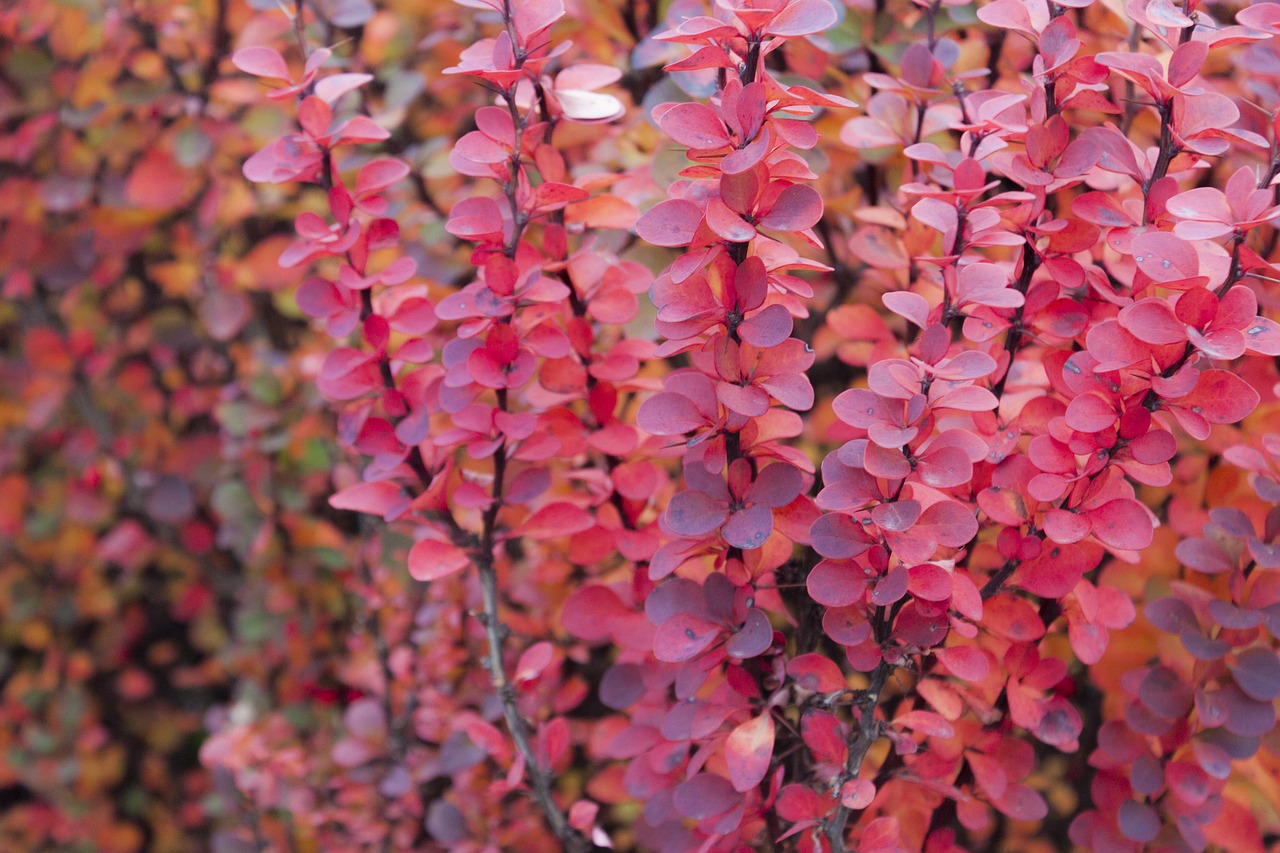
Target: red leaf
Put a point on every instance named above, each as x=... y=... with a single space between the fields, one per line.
x=824 y=735
x=553 y=520
x=965 y=662
x=817 y=673
x=590 y=612
x=930 y=582
x=800 y=803
x=1221 y=397
x=857 y=794
x=904 y=303
x=532 y=662
x=682 y=637
x=1013 y=618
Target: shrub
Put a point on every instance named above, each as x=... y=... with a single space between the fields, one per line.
x=783 y=426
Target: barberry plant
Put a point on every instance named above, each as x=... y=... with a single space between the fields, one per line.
x=791 y=425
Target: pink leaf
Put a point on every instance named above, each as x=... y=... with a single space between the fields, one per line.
x=431 y=560
x=904 y=303
x=383 y=498
x=948 y=522
x=1123 y=524
x=261 y=61
x=1153 y=321
x=669 y=413
x=749 y=751
x=1090 y=413
x=802 y=18
x=694 y=125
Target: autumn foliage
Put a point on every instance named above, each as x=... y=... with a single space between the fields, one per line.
x=539 y=425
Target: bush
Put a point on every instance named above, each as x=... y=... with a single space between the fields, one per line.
x=541 y=426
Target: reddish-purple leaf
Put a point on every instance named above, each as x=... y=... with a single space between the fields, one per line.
x=897 y=516
x=693 y=513
x=754 y=638
x=1164 y=693
x=1021 y=802
x=705 y=796
x=1138 y=821
x=669 y=413
x=1257 y=673
x=767 y=328
x=682 y=637
x=930 y=582
x=670 y=223
x=836 y=583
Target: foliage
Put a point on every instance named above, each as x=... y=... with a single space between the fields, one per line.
x=536 y=425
